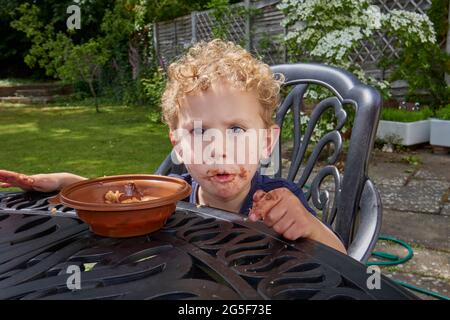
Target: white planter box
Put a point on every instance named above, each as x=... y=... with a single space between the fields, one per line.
x=407 y=133
x=440 y=132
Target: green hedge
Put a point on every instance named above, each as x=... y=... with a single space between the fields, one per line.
x=399 y=115
x=443 y=113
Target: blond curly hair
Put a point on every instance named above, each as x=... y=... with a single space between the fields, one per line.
x=218 y=59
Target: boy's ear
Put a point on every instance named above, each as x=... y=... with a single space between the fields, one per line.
x=173 y=141
x=273 y=134
x=176 y=150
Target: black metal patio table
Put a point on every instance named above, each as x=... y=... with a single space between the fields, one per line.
x=201 y=253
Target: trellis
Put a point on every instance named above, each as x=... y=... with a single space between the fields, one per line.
x=262 y=34
x=370 y=52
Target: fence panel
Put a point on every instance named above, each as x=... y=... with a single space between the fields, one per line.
x=264 y=34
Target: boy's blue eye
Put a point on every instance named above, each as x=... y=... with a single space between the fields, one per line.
x=236 y=129
x=198 y=131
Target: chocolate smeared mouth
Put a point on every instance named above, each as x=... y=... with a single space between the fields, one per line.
x=218 y=172
x=223 y=173
x=220 y=175
x=223 y=178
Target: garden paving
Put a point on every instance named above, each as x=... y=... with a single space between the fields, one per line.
x=414 y=186
x=417 y=212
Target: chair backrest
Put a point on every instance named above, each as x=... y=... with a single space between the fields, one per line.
x=340 y=210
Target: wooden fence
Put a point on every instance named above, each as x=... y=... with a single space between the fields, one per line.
x=263 y=33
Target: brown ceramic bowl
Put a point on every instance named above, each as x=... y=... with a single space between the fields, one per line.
x=124 y=220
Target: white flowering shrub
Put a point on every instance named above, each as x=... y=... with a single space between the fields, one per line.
x=325 y=124
x=329 y=31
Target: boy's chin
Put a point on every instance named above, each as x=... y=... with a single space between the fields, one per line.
x=227 y=193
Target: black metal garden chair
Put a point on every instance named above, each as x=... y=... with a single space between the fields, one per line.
x=350 y=203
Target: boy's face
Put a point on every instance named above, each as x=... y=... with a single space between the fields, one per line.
x=221 y=137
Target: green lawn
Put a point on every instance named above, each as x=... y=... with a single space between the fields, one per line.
x=119 y=140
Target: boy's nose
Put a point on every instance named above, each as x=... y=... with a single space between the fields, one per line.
x=218 y=153
x=219 y=150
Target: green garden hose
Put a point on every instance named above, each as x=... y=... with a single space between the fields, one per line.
x=392 y=259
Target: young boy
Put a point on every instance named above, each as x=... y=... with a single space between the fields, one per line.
x=219 y=88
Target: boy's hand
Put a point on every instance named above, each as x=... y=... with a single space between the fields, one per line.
x=38 y=182
x=281 y=210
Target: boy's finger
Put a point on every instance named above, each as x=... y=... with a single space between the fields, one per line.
x=275 y=214
x=5 y=185
x=23 y=182
x=258 y=195
x=283 y=225
x=263 y=206
x=15 y=178
x=253 y=216
x=6 y=175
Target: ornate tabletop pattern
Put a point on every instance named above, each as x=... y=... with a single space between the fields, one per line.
x=202 y=253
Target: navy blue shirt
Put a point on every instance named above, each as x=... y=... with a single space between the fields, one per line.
x=259 y=181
